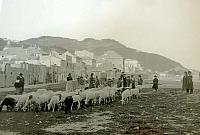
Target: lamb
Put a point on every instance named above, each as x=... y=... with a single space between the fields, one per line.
x=125 y=95
x=55 y=100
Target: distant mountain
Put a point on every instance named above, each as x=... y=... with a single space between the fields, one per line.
x=151 y=61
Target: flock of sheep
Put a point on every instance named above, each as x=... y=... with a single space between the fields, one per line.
x=47 y=100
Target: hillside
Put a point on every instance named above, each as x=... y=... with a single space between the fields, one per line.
x=98 y=47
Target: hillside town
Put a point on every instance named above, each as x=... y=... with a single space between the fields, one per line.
x=41 y=66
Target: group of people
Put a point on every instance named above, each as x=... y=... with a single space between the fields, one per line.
x=84 y=83
x=187 y=82
x=130 y=81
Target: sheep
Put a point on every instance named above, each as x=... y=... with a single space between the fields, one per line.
x=41 y=91
x=44 y=99
x=103 y=96
x=76 y=98
x=32 y=102
x=125 y=95
x=9 y=100
x=135 y=92
x=68 y=104
x=90 y=96
x=55 y=100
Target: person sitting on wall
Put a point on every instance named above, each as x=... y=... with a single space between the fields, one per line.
x=69 y=86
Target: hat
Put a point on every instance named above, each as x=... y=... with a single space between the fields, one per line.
x=20 y=74
x=155 y=75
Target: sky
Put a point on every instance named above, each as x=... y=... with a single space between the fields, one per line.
x=170 y=28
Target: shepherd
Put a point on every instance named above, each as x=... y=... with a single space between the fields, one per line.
x=69 y=86
x=155 y=83
x=19 y=84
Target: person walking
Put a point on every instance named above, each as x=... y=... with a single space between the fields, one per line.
x=92 y=81
x=133 y=81
x=140 y=82
x=190 y=86
x=155 y=83
x=69 y=85
x=184 y=82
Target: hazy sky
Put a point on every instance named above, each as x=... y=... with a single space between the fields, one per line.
x=167 y=27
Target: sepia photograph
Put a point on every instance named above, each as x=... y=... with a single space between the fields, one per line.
x=99 y=67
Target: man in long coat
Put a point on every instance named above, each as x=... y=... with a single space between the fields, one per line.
x=190 y=86
x=155 y=83
x=184 y=82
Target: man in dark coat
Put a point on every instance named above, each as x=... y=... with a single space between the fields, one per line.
x=140 y=82
x=91 y=81
x=190 y=86
x=97 y=83
x=124 y=81
x=155 y=83
x=184 y=82
x=21 y=83
x=133 y=81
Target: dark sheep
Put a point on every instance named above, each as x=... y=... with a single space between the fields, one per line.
x=68 y=104
x=9 y=102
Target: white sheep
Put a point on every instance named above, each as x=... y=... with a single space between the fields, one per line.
x=77 y=98
x=41 y=91
x=103 y=96
x=90 y=96
x=125 y=96
x=135 y=92
x=32 y=101
x=55 y=100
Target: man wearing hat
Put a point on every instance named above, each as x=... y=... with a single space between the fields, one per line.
x=190 y=86
x=21 y=82
x=155 y=83
x=140 y=82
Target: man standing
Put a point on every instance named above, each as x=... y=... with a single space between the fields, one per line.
x=92 y=81
x=69 y=86
x=21 y=83
x=155 y=83
x=97 y=83
x=184 y=82
x=190 y=83
x=140 y=82
x=133 y=81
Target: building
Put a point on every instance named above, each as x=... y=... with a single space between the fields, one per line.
x=114 y=58
x=84 y=53
x=132 y=65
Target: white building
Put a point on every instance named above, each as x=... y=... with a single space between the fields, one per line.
x=132 y=65
x=84 y=53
